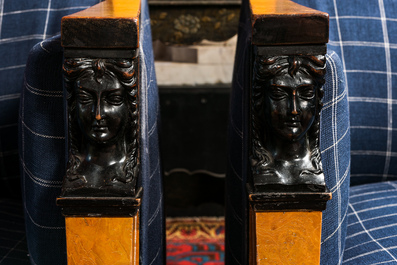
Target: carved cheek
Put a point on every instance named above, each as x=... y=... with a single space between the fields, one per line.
x=85 y=116
x=308 y=113
x=117 y=117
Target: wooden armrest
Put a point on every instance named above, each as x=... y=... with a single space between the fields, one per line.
x=283 y=22
x=286 y=189
x=109 y=24
x=99 y=191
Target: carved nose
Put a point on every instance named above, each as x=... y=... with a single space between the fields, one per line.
x=294 y=109
x=98 y=111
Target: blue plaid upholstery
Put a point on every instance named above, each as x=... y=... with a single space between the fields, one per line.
x=152 y=221
x=335 y=150
x=372 y=225
x=42 y=151
x=22 y=24
x=13 y=249
x=364 y=35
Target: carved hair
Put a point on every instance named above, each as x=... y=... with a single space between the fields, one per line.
x=265 y=69
x=124 y=71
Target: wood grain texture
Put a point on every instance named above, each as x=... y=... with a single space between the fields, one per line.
x=102 y=241
x=286 y=237
x=109 y=24
x=283 y=22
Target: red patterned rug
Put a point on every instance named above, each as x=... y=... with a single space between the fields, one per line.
x=195 y=241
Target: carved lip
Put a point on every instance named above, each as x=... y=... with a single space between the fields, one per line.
x=293 y=123
x=97 y=128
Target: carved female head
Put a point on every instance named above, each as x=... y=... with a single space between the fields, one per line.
x=102 y=103
x=286 y=104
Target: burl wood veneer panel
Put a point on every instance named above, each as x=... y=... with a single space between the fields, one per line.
x=102 y=241
x=287 y=237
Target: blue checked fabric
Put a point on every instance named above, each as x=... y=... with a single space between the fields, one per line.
x=365 y=37
x=13 y=248
x=335 y=150
x=364 y=34
x=43 y=152
x=23 y=23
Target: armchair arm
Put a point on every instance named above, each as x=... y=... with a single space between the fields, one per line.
x=106 y=86
x=276 y=40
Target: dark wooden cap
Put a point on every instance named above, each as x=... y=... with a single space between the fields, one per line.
x=284 y=201
x=100 y=206
x=283 y=22
x=113 y=24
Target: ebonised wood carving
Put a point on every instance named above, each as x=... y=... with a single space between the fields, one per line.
x=285 y=120
x=102 y=96
x=101 y=62
x=100 y=198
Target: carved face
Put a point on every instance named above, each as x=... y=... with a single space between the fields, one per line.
x=290 y=105
x=102 y=108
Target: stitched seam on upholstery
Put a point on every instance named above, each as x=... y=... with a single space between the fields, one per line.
x=153 y=128
x=1 y=19
x=233 y=169
x=43 y=135
x=41 y=94
x=389 y=88
x=337 y=142
x=154 y=259
x=12 y=67
x=40 y=181
x=10 y=96
x=155 y=170
x=12 y=249
x=237 y=130
x=335 y=87
x=42 y=90
x=155 y=214
x=21 y=38
x=338 y=228
x=42 y=226
x=231 y=252
x=339 y=183
x=42 y=47
x=335 y=100
x=44 y=9
x=236 y=216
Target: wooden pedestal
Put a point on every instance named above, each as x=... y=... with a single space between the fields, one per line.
x=102 y=240
x=285 y=237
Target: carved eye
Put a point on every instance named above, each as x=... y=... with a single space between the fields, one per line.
x=277 y=93
x=84 y=97
x=307 y=92
x=115 y=99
